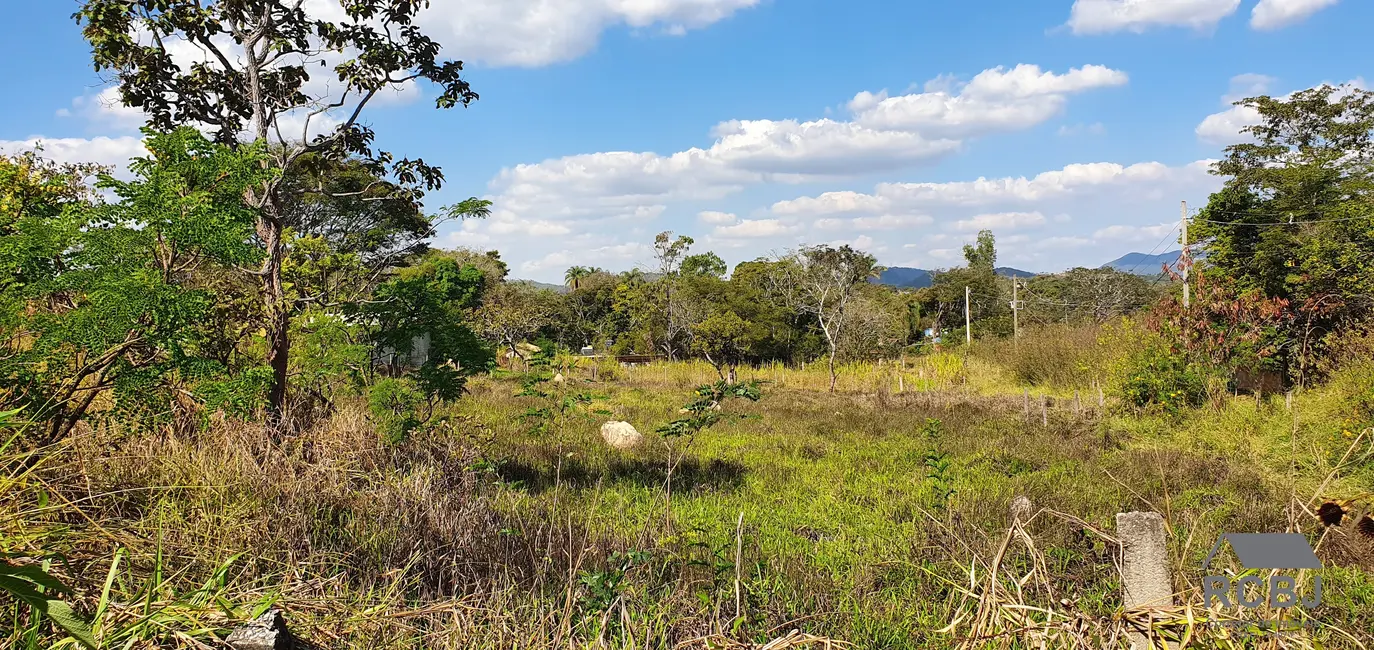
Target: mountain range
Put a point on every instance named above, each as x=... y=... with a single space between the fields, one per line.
x=1137 y=263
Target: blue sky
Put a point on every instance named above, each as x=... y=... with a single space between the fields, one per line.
x=1071 y=128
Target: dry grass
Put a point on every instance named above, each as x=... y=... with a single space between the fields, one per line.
x=813 y=521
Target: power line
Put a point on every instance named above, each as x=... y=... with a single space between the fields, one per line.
x=1152 y=250
x=1255 y=213
x=1279 y=223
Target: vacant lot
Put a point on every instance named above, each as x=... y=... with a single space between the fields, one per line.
x=855 y=516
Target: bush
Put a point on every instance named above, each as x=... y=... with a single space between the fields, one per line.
x=393 y=405
x=1157 y=378
x=1056 y=355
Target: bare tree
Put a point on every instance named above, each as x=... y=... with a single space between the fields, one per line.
x=513 y=312
x=677 y=322
x=823 y=282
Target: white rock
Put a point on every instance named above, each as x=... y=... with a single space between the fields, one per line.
x=621 y=435
x=558 y=378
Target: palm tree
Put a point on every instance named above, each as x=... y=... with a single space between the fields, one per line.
x=573 y=277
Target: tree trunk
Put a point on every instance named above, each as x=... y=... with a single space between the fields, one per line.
x=832 y=369
x=278 y=316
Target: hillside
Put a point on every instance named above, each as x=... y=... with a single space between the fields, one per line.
x=1142 y=263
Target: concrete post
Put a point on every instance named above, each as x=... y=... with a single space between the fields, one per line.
x=1144 y=565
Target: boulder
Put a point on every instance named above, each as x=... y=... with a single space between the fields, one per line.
x=266 y=632
x=558 y=378
x=621 y=435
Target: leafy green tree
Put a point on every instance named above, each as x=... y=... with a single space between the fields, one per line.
x=988 y=298
x=1293 y=219
x=778 y=332
x=707 y=263
x=588 y=311
x=576 y=274
x=724 y=339
x=105 y=298
x=429 y=304
x=252 y=84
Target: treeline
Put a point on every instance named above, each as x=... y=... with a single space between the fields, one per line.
x=240 y=275
x=152 y=301
x=792 y=308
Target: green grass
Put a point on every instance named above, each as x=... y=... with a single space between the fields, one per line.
x=856 y=515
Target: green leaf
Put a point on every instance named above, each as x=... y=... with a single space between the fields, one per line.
x=35 y=574
x=59 y=612
x=66 y=618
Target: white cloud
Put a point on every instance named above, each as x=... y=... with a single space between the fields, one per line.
x=104 y=109
x=1274 y=14
x=862 y=242
x=531 y=33
x=995 y=100
x=1083 y=214
x=1225 y=127
x=1000 y=221
x=603 y=256
x=606 y=191
x=821 y=147
x=1071 y=180
x=1246 y=85
x=114 y=152
x=1134 y=233
x=880 y=222
x=1104 y=16
x=717 y=218
x=750 y=228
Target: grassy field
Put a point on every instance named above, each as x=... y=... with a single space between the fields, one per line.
x=873 y=516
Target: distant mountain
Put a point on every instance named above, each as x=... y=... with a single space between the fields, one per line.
x=556 y=288
x=909 y=278
x=1143 y=264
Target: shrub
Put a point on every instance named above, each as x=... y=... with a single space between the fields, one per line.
x=1055 y=355
x=1156 y=378
x=394 y=405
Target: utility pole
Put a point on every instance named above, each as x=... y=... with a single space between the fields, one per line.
x=1184 y=260
x=1015 y=310
x=968 y=318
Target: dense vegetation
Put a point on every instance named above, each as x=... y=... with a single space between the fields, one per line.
x=237 y=376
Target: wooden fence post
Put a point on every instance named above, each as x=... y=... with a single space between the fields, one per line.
x=1044 y=411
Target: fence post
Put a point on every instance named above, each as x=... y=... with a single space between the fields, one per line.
x=1027 y=408
x=1044 y=411
x=1144 y=565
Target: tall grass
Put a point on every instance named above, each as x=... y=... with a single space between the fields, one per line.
x=856 y=516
